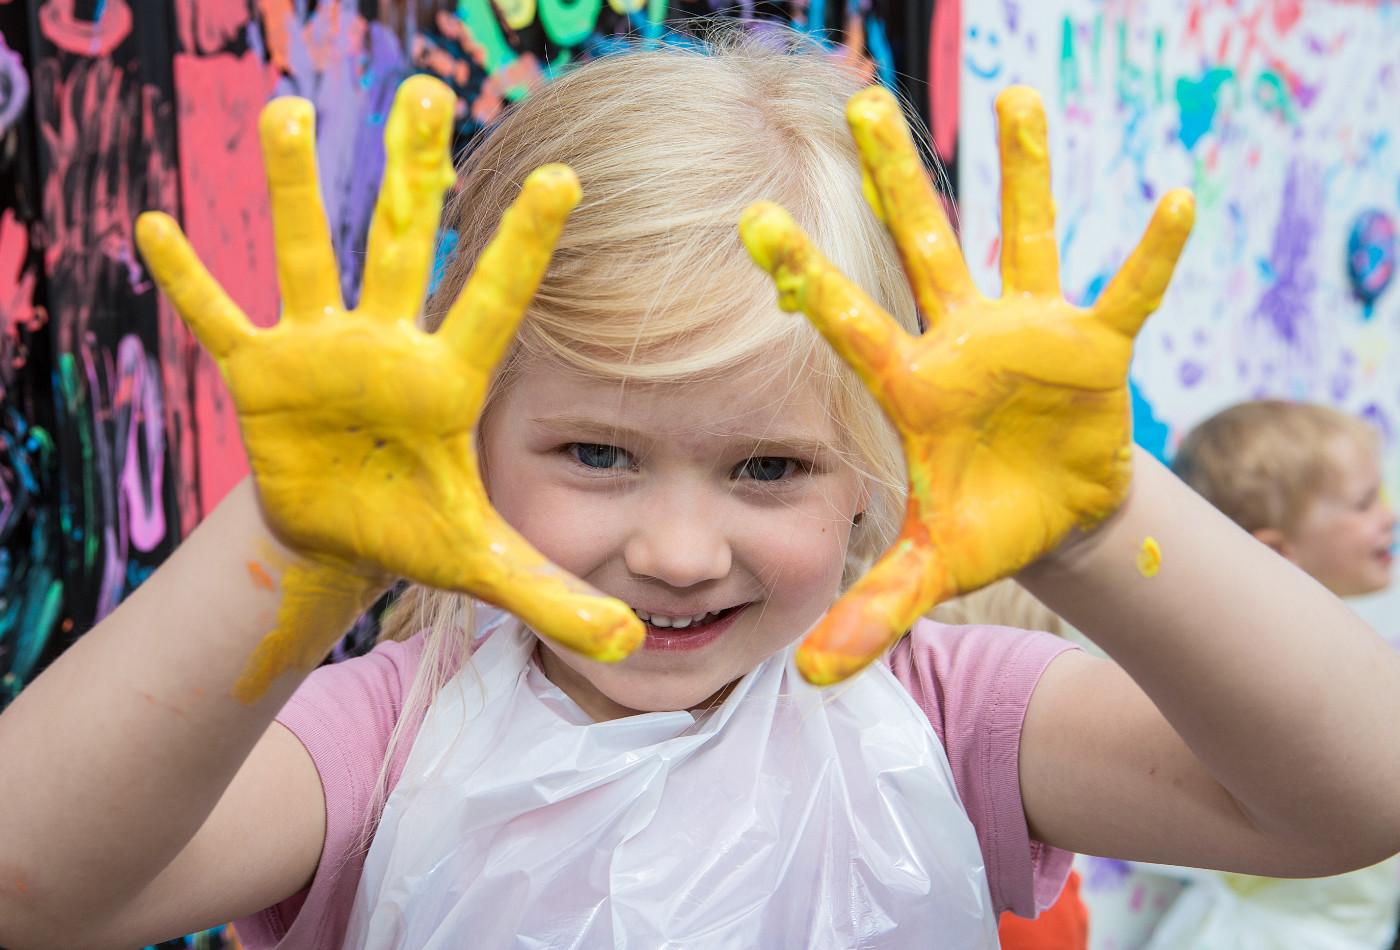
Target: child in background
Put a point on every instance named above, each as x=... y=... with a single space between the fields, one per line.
x=1306 y=481
x=661 y=431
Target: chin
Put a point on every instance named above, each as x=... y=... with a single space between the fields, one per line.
x=648 y=698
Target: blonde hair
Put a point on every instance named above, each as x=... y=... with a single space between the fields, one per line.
x=650 y=282
x=1262 y=463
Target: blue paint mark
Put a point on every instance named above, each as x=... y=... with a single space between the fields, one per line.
x=1197 y=100
x=446 y=250
x=1148 y=431
x=879 y=46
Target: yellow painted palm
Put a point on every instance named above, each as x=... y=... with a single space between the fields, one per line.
x=1013 y=412
x=359 y=426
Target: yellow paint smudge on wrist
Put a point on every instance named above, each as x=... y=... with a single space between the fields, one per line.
x=1149 y=557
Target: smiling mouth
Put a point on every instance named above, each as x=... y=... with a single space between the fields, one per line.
x=691 y=633
x=678 y=624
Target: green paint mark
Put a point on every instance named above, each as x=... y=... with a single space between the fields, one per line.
x=480 y=18
x=1096 y=47
x=75 y=399
x=656 y=20
x=1130 y=78
x=1208 y=193
x=569 y=22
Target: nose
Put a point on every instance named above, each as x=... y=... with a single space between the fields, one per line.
x=680 y=541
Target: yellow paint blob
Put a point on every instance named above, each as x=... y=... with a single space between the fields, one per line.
x=1149 y=557
x=359 y=426
x=1014 y=412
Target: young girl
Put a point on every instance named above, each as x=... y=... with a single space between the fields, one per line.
x=660 y=431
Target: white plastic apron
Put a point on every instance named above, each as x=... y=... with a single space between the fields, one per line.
x=786 y=817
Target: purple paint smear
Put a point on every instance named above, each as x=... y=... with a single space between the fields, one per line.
x=1285 y=309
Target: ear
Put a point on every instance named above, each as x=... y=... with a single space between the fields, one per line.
x=1274 y=539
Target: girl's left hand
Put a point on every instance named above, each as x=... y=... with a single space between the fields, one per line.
x=1014 y=413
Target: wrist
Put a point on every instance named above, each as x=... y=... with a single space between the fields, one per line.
x=276 y=558
x=1082 y=546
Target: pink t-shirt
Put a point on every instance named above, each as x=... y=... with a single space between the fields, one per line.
x=972 y=682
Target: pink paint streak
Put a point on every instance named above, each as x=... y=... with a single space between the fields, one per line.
x=945 y=65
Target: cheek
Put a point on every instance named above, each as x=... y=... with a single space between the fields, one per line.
x=803 y=559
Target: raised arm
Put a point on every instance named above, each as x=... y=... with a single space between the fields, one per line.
x=144 y=793
x=1254 y=722
x=1250 y=721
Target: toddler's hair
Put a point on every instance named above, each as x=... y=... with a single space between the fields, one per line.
x=1262 y=463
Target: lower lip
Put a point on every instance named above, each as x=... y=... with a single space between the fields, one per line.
x=1385 y=558
x=689 y=638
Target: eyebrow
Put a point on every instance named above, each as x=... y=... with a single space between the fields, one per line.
x=799 y=444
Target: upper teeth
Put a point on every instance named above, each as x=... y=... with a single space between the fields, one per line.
x=657 y=620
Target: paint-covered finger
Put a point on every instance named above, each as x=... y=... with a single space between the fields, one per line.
x=862 y=333
x=871 y=616
x=216 y=321
x=483 y=320
x=1030 y=261
x=907 y=202
x=514 y=576
x=417 y=170
x=1137 y=288
x=306 y=270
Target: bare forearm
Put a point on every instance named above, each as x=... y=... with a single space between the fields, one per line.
x=117 y=753
x=1288 y=699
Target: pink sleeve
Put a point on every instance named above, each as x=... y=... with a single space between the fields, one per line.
x=343 y=714
x=974 y=684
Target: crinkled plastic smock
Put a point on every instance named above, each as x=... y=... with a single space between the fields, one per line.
x=786 y=817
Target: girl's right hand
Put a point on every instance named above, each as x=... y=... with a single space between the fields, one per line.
x=360 y=427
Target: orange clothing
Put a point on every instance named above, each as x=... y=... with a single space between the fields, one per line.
x=1064 y=925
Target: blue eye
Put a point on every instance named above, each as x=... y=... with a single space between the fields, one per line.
x=768 y=468
x=592 y=455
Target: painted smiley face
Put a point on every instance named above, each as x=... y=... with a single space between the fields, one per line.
x=982 y=51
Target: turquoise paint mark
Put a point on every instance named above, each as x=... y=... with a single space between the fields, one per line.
x=1158 y=56
x=1197 y=100
x=1273 y=96
x=1069 y=69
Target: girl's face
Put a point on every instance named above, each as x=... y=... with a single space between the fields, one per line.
x=718 y=510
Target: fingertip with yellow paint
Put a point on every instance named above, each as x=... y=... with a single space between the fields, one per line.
x=154 y=231
x=553 y=187
x=825 y=668
x=1019 y=102
x=1149 y=557
x=872 y=107
x=420 y=122
x=1179 y=208
x=777 y=245
x=287 y=125
x=763 y=228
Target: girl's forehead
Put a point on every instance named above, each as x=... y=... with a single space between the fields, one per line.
x=745 y=400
